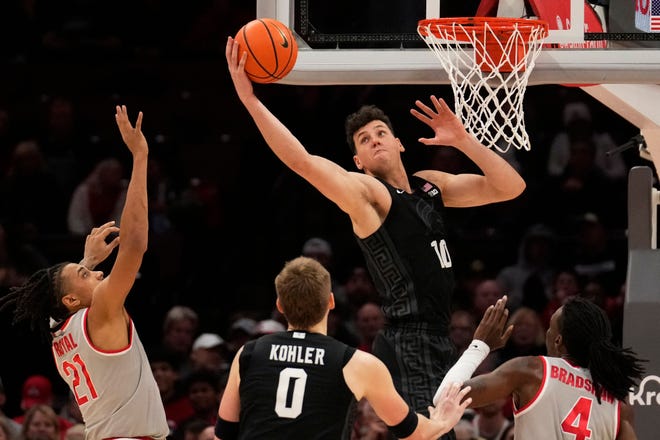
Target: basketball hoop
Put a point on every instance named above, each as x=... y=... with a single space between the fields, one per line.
x=488 y=61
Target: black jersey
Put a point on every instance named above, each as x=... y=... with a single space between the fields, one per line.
x=409 y=260
x=292 y=387
x=410 y=263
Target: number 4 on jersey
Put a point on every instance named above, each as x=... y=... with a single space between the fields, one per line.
x=577 y=420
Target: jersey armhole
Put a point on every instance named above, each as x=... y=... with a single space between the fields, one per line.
x=348 y=354
x=246 y=357
x=537 y=396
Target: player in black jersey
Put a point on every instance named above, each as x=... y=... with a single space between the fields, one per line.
x=298 y=384
x=398 y=222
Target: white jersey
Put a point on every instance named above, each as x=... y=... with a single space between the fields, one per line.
x=116 y=391
x=566 y=408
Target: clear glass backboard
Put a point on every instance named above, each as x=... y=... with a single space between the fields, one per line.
x=376 y=42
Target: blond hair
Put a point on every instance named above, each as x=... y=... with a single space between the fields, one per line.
x=303 y=288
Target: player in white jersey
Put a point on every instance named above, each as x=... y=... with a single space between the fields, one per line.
x=96 y=348
x=577 y=392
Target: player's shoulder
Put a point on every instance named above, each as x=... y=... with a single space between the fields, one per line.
x=525 y=364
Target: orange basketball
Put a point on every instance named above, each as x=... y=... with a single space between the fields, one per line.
x=272 y=49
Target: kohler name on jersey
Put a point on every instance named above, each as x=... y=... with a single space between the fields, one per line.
x=297 y=354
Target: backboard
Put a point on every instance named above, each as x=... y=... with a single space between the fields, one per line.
x=375 y=42
x=364 y=42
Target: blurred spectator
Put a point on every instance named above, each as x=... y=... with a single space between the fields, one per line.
x=321 y=250
x=368 y=426
x=41 y=423
x=579 y=124
x=528 y=336
x=462 y=325
x=583 y=187
x=596 y=256
x=566 y=285
x=10 y=272
x=535 y=259
x=240 y=331
x=69 y=152
x=38 y=391
x=359 y=289
x=490 y=421
x=486 y=293
x=162 y=195
x=99 y=198
x=179 y=330
x=465 y=429
x=267 y=327
x=165 y=368
x=70 y=410
x=76 y=432
x=340 y=329
x=207 y=433
x=81 y=29
x=209 y=352
x=369 y=321
x=6 y=432
x=276 y=315
x=614 y=307
x=194 y=429
x=9 y=426
x=29 y=190
x=204 y=391
x=474 y=273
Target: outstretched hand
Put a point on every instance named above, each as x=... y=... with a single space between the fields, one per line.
x=491 y=328
x=446 y=126
x=96 y=247
x=236 y=59
x=132 y=136
x=450 y=405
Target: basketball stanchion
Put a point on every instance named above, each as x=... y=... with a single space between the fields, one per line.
x=488 y=61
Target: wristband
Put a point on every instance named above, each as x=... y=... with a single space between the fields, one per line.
x=226 y=430
x=407 y=426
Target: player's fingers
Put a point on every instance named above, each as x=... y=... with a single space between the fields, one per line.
x=138 y=122
x=228 y=48
x=425 y=108
x=465 y=391
x=243 y=60
x=507 y=334
x=109 y=230
x=437 y=104
x=106 y=225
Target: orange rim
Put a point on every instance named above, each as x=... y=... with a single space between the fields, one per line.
x=500 y=25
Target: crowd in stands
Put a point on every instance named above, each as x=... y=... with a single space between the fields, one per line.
x=225 y=214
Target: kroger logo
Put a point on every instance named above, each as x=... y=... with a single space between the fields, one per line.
x=644 y=397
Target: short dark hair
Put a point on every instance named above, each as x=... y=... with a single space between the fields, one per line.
x=362 y=117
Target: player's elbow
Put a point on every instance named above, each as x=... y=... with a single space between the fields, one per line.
x=517 y=187
x=514 y=187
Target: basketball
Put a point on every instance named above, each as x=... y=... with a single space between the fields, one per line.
x=271 y=47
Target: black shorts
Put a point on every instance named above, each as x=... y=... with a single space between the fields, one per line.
x=418 y=360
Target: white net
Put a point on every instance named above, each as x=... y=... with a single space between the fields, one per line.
x=488 y=61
